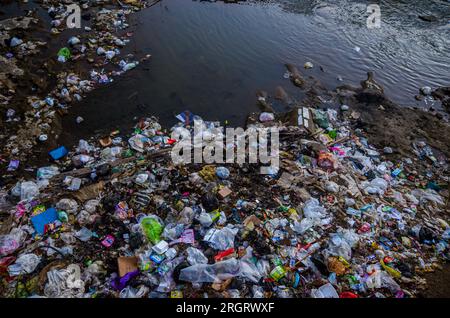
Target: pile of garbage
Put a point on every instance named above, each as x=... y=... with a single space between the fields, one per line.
x=115 y=217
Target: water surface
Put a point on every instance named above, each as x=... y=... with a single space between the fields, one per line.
x=212 y=57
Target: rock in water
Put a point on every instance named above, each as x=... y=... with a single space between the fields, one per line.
x=428 y=18
x=426 y=90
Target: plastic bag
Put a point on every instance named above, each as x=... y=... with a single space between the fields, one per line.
x=376 y=186
x=55 y=283
x=364 y=161
x=313 y=209
x=349 y=202
x=81 y=160
x=326 y=161
x=74 y=40
x=222 y=172
x=215 y=273
x=12 y=241
x=302 y=226
x=173 y=231
x=8 y=245
x=64 y=54
x=350 y=236
x=28 y=190
x=83 y=217
x=83 y=234
x=25 y=264
x=15 y=42
x=320 y=118
x=338 y=246
x=222 y=239
x=398 y=197
x=64 y=283
x=205 y=219
x=381 y=279
x=84 y=147
x=4 y=204
x=427 y=195
x=137 y=142
x=130 y=292
x=152 y=229
x=68 y=205
x=331 y=186
x=250 y=271
x=258 y=291
x=195 y=256
x=91 y=205
x=263 y=267
x=47 y=172
x=265 y=117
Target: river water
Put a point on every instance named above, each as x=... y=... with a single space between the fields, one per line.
x=212 y=57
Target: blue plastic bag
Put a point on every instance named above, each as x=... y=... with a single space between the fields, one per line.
x=41 y=220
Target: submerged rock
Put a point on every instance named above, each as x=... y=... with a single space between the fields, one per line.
x=428 y=18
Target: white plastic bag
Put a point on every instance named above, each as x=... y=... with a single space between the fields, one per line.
x=25 y=264
x=195 y=256
x=28 y=190
x=313 y=209
x=222 y=239
x=204 y=273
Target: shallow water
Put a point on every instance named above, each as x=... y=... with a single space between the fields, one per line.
x=212 y=57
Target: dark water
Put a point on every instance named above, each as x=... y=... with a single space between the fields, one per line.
x=212 y=57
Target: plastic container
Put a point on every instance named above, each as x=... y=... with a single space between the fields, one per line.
x=324 y=291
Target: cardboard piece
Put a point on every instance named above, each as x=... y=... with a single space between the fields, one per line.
x=286 y=180
x=224 y=192
x=127 y=265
